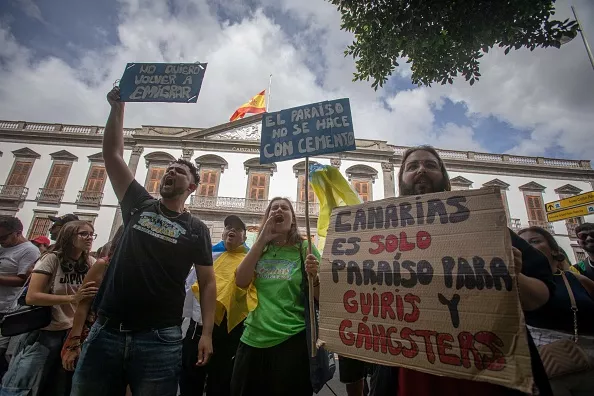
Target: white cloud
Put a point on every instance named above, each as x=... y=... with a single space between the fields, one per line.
x=547 y=91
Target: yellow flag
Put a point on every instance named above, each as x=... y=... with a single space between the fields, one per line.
x=332 y=190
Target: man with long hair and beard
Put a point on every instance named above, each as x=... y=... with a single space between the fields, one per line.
x=423 y=172
x=137 y=337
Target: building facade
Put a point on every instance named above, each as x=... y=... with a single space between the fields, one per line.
x=53 y=169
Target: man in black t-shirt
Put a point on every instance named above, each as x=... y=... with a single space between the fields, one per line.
x=585 y=235
x=137 y=337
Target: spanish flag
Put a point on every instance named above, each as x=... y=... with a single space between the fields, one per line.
x=256 y=105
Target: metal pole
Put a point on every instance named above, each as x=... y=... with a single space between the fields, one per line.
x=268 y=99
x=588 y=50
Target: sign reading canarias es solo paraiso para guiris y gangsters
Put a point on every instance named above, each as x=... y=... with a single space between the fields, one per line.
x=428 y=283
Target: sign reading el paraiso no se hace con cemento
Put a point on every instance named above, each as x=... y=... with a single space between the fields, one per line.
x=306 y=131
x=428 y=283
x=162 y=82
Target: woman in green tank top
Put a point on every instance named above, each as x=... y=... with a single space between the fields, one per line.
x=272 y=358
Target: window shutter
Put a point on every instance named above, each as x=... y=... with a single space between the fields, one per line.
x=20 y=173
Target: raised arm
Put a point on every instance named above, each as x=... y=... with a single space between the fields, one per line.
x=119 y=174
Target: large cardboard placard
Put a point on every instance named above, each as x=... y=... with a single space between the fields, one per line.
x=427 y=283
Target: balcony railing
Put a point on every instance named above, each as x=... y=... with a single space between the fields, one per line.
x=515 y=224
x=232 y=204
x=89 y=198
x=17 y=193
x=49 y=195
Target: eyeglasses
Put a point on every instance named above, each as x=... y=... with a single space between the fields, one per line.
x=584 y=235
x=229 y=228
x=5 y=236
x=86 y=235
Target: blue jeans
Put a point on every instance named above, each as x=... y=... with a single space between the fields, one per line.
x=149 y=361
x=37 y=367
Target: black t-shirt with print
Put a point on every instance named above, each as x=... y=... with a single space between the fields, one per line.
x=144 y=286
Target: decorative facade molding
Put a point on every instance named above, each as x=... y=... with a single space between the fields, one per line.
x=336 y=162
x=568 y=189
x=187 y=154
x=246 y=132
x=211 y=161
x=497 y=183
x=26 y=152
x=96 y=157
x=158 y=158
x=361 y=172
x=461 y=182
x=387 y=167
x=63 y=155
x=253 y=165
x=242 y=136
x=137 y=150
x=532 y=186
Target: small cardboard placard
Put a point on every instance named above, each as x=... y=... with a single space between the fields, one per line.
x=427 y=283
x=162 y=82
x=307 y=131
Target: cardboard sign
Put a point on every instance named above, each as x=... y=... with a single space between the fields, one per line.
x=427 y=283
x=162 y=82
x=306 y=131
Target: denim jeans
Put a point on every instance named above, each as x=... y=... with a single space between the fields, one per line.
x=149 y=361
x=37 y=367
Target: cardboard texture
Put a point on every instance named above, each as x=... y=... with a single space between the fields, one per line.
x=427 y=283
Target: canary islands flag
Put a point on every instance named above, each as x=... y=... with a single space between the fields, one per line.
x=332 y=190
x=256 y=105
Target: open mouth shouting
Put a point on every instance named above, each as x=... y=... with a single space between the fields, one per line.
x=169 y=181
x=279 y=218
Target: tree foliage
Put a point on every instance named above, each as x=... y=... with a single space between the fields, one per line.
x=443 y=38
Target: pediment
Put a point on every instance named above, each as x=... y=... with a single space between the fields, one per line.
x=532 y=186
x=568 y=189
x=159 y=157
x=361 y=171
x=460 y=181
x=247 y=128
x=63 y=155
x=211 y=161
x=254 y=165
x=98 y=157
x=25 y=152
x=150 y=130
x=497 y=183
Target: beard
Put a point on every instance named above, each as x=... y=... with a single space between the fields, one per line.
x=423 y=186
x=587 y=247
x=170 y=193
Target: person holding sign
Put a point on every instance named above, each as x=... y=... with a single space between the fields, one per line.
x=555 y=320
x=272 y=358
x=423 y=172
x=137 y=337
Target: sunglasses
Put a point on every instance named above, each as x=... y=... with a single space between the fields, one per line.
x=584 y=235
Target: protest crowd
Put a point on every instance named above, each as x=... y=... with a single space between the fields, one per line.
x=162 y=310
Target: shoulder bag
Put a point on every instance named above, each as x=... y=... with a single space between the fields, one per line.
x=24 y=318
x=564 y=357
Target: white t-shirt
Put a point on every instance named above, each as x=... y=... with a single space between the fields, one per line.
x=15 y=260
x=63 y=283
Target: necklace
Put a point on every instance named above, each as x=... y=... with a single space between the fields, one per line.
x=163 y=214
x=278 y=246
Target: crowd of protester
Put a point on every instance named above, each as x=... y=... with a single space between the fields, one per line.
x=160 y=310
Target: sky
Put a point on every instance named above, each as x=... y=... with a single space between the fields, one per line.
x=58 y=60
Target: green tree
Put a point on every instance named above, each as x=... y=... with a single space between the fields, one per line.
x=443 y=38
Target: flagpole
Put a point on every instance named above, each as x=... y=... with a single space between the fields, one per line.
x=268 y=98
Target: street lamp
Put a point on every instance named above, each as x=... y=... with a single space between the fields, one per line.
x=567 y=39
